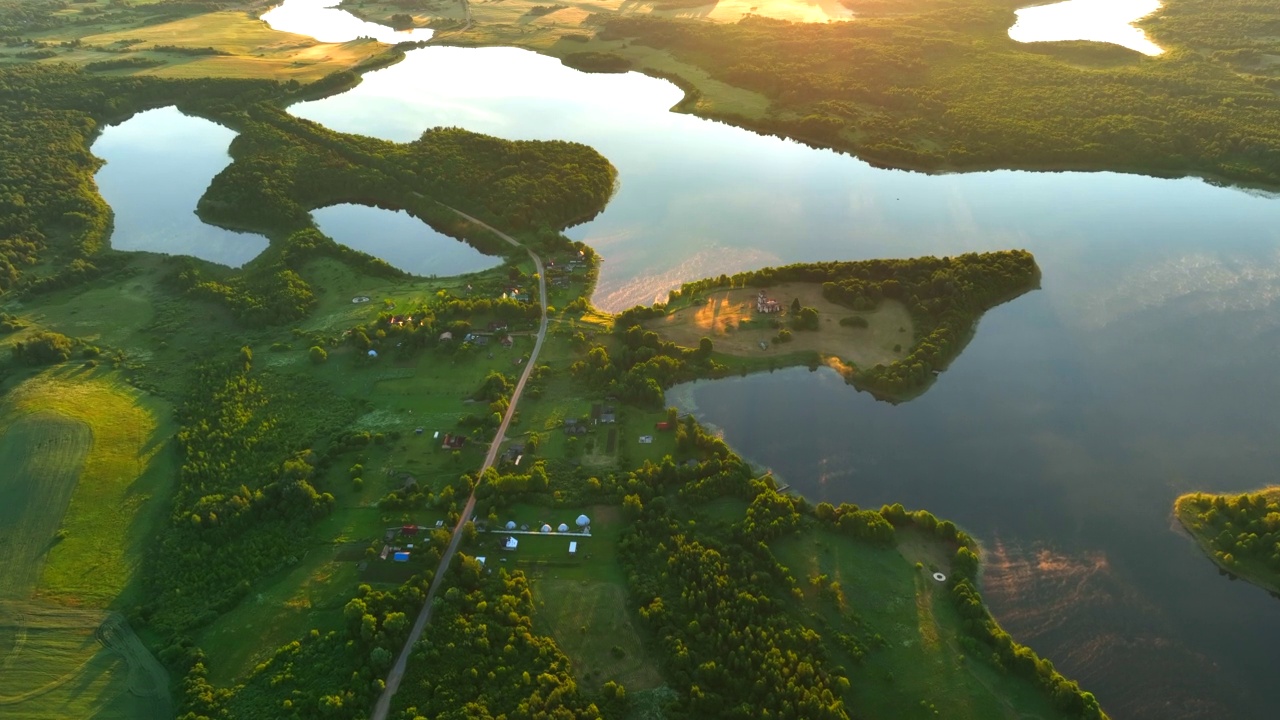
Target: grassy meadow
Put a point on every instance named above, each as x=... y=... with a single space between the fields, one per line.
x=243 y=45
x=729 y=318
x=889 y=600
x=67 y=662
x=85 y=456
x=102 y=444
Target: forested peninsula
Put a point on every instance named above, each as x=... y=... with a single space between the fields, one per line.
x=1240 y=533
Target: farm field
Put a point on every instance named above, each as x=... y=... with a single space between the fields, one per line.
x=591 y=624
x=581 y=601
x=729 y=318
x=245 y=46
x=82 y=458
x=42 y=454
x=60 y=662
x=920 y=655
x=119 y=441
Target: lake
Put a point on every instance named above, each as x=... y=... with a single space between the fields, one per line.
x=154 y=198
x=1109 y=21
x=1143 y=368
x=401 y=239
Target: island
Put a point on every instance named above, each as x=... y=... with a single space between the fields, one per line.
x=1240 y=533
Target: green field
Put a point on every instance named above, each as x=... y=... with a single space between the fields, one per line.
x=121 y=466
x=58 y=662
x=581 y=601
x=82 y=460
x=308 y=596
x=921 y=656
x=591 y=624
x=42 y=454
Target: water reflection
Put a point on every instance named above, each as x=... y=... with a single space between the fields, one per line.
x=401 y=239
x=1108 y=21
x=699 y=198
x=153 y=197
x=322 y=20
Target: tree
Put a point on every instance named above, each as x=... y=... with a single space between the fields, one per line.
x=318 y=354
x=43 y=348
x=704 y=347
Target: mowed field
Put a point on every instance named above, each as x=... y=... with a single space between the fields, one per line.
x=81 y=453
x=42 y=455
x=582 y=602
x=921 y=655
x=116 y=445
x=730 y=319
x=60 y=662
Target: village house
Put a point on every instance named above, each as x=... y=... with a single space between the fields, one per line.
x=765 y=304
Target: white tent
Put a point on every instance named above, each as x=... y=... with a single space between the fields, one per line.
x=511 y=524
x=583 y=521
x=546 y=528
x=511 y=543
x=562 y=528
x=373 y=353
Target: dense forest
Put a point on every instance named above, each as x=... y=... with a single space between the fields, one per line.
x=938 y=84
x=455 y=673
x=1240 y=532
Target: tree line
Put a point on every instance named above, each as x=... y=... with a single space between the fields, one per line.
x=1242 y=532
x=938 y=84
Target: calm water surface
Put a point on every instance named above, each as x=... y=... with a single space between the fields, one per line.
x=154 y=196
x=322 y=20
x=401 y=239
x=1109 y=21
x=1143 y=368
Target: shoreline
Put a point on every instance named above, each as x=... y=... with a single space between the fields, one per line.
x=1181 y=512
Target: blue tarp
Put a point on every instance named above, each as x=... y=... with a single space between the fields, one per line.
x=401 y=557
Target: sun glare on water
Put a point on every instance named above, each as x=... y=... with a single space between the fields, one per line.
x=1109 y=21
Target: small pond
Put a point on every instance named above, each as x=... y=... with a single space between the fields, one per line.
x=401 y=239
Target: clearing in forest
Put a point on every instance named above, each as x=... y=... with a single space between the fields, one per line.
x=731 y=320
x=909 y=629
x=589 y=620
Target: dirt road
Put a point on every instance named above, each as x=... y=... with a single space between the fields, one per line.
x=396 y=674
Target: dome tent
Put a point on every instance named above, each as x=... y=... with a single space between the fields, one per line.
x=511 y=524
x=562 y=528
x=583 y=521
x=545 y=528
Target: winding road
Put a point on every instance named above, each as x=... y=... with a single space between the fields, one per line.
x=396 y=674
